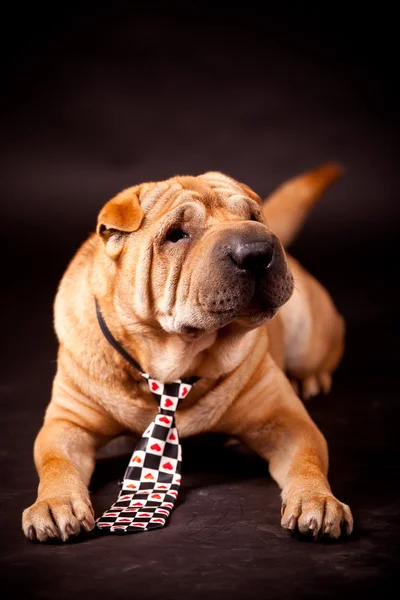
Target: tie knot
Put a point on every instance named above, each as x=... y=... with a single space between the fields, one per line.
x=168 y=395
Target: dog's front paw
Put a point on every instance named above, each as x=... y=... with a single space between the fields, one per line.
x=316 y=513
x=57 y=518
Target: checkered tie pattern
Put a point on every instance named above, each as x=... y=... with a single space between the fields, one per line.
x=152 y=479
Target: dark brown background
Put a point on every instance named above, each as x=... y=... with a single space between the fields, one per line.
x=98 y=99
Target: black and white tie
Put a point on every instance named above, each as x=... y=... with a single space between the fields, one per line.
x=152 y=479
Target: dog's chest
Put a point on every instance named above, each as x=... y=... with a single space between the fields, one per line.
x=137 y=408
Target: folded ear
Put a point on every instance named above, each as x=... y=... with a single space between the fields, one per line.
x=120 y=216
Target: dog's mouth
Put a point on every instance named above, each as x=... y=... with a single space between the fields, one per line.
x=249 y=297
x=248 y=310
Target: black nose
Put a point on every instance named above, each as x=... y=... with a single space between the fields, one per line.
x=252 y=256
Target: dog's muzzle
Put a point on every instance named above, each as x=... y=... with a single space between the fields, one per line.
x=247 y=265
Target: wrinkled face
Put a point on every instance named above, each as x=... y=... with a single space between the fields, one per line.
x=193 y=254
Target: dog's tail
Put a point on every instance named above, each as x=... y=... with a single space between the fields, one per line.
x=287 y=207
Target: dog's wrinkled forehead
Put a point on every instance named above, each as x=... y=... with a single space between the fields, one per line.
x=213 y=189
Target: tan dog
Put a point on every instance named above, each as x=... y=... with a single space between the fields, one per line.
x=188 y=275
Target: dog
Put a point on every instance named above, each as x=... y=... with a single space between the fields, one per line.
x=192 y=278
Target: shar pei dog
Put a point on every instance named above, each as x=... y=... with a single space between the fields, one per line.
x=192 y=279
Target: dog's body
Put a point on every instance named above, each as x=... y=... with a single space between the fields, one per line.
x=188 y=277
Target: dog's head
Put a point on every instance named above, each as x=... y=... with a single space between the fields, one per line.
x=192 y=254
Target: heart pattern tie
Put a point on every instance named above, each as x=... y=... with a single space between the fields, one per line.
x=152 y=479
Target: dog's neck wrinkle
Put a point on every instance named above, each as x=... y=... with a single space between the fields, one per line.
x=168 y=357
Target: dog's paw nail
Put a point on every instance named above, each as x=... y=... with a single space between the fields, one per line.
x=292 y=523
x=70 y=530
x=87 y=525
x=327 y=528
x=31 y=533
x=312 y=525
x=348 y=528
x=53 y=532
x=283 y=508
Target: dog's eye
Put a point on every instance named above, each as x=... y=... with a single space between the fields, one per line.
x=175 y=234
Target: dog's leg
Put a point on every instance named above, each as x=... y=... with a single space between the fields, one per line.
x=273 y=421
x=299 y=464
x=313 y=334
x=64 y=455
x=64 y=458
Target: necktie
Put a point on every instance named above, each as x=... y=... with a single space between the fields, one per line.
x=152 y=479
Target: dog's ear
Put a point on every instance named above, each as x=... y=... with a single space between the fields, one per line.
x=120 y=216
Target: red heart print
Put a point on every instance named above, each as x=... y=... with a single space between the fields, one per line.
x=149 y=476
x=167 y=402
x=158 y=520
x=155 y=447
x=137 y=459
x=177 y=480
x=138 y=504
x=168 y=466
x=104 y=524
x=126 y=497
x=184 y=391
x=162 y=511
x=154 y=386
x=112 y=514
x=119 y=526
x=173 y=493
x=169 y=504
x=164 y=420
x=123 y=520
x=156 y=496
x=172 y=436
x=144 y=515
x=137 y=524
x=162 y=487
x=131 y=486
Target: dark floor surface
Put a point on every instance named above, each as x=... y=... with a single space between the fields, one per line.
x=80 y=123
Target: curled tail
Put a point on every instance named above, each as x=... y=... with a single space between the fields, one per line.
x=287 y=207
